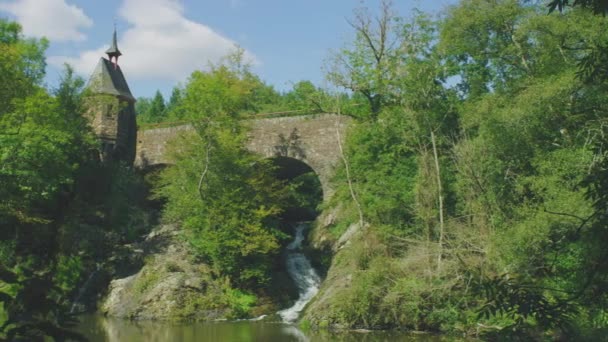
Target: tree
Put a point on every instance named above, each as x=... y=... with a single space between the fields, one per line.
x=592 y=65
x=157 y=108
x=515 y=155
x=597 y=6
x=44 y=141
x=176 y=97
x=39 y=143
x=305 y=96
x=226 y=198
x=370 y=66
x=151 y=110
x=173 y=107
x=142 y=108
x=21 y=69
x=228 y=203
x=484 y=43
x=522 y=159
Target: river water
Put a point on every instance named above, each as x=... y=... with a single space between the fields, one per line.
x=98 y=328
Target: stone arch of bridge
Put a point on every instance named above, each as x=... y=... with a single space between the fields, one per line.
x=313 y=140
x=295 y=159
x=305 y=181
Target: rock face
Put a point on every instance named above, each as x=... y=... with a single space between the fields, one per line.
x=170 y=286
x=320 y=311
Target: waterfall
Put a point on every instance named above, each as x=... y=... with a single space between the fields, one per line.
x=303 y=275
x=76 y=304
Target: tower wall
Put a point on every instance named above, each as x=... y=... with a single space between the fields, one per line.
x=113 y=121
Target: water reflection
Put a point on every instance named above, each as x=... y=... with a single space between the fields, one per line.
x=291 y=330
x=98 y=328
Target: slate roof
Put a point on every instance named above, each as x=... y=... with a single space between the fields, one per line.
x=108 y=79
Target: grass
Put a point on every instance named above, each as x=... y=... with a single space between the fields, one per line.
x=145 y=281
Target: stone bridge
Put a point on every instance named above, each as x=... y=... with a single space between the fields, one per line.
x=311 y=139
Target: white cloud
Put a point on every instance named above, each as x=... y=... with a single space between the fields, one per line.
x=54 y=19
x=161 y=43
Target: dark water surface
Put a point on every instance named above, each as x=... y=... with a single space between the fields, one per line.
x=99 y=328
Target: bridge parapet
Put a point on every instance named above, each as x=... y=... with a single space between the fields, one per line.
x=152 y=145
x=312 y=139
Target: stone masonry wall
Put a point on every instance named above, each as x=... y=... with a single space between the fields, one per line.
x=113 y=121
x=311 y=139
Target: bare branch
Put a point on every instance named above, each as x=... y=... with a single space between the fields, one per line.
x=567 y=215
x=346 y=167
x=200 y=181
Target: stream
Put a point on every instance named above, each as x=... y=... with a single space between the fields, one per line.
x=304 y=276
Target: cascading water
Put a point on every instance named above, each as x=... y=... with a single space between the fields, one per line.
x=77 y=305
x=303 y=275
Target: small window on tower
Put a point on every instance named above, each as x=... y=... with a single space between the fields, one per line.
x=108 y=110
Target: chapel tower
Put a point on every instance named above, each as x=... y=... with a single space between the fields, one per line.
x=111 y=108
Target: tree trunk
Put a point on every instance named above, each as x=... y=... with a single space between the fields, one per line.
x=204 y=173
x=440 y=197
x=348 y=178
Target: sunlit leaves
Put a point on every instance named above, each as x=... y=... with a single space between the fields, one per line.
x=226 y=198
x=232 y=221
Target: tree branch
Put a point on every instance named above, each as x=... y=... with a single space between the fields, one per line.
x=200 y=181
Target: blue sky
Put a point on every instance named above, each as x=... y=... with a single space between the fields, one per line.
x=164 y=40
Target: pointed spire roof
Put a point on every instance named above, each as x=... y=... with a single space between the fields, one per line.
x=113 y=50
x=109 y=79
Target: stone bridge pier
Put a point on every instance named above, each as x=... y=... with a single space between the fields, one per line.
x=312 y=139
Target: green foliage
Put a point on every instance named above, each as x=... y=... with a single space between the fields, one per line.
x=511 y=184
x=598 y=6
x=218 y=295
x=145 y=280
x=68 y=272
x=369 y=65
x=109 y=207
x=152 y=111
x=522 y=303
x=305 y=96
x=232 y=218
x=174 y=102
x=239 y=302
x=22 y=68
x=43 y=145
x=142 y=108
x=33 y=307
x=52 y=210
x=227 y=198
x=477 y=34
x=41 y=140
x=305 y=196
x=389 y=181
x=44 y=139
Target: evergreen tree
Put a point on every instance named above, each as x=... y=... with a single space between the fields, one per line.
x=157 y=109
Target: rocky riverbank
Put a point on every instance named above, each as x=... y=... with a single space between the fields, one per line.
x=173 y=285
x=170 y=285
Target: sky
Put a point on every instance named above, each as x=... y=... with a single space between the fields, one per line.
x=163 y=41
